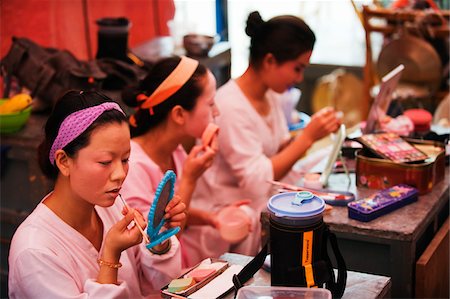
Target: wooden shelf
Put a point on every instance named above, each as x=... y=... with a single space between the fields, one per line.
x=389 y=22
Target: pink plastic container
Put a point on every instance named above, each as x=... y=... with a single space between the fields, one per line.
x=233 y=224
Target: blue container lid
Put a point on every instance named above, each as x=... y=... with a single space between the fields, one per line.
x=301 y=204
x=304 y=120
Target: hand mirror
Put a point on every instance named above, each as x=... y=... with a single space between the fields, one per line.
x=163 y=195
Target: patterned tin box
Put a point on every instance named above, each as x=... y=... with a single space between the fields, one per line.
x=377 y=173
x=382 y=202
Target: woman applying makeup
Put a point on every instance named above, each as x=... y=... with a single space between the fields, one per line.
x=254 y=142
x=174 y=103
x=80 y=241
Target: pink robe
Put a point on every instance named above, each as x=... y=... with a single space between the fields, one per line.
x=50 y=259
x=144 y=177
x=240 y=170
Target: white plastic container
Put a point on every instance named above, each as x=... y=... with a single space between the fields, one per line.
x=260 y=292
x=312 y=181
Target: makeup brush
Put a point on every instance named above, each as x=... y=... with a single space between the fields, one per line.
x=144 y=234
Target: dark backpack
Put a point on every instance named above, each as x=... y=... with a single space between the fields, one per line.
x=48 y=72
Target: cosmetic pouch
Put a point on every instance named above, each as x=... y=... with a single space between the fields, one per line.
x=382 y=202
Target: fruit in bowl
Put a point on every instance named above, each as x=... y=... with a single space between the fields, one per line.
x=14 y=112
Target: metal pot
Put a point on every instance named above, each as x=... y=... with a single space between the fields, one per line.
x=422 y=63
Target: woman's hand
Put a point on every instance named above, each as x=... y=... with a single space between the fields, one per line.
x=197 y=162
x=175 y=212
x=202 y=217
x=121 y=236
x=322 y=123
x=244 y=205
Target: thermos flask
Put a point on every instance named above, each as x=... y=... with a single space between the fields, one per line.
x=296 y=239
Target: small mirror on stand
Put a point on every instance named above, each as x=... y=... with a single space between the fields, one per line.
x=335 y=153
x=164 y=194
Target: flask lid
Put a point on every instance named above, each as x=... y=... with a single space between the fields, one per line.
x=302 y=204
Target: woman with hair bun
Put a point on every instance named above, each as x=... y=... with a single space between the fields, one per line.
x=174 y=104
x=255 y=145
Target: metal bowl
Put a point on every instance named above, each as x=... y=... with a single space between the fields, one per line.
x=421 y=61
x=198 y=44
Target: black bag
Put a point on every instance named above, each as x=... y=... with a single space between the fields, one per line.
x=285 y=272
x=47 y=72
x=121 y=74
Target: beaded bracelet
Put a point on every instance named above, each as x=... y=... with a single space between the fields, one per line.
x=108 y=264
x=162 y=251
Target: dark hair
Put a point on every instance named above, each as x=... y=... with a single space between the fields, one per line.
x=286 y=37
x=69 y=103
x=186 y=96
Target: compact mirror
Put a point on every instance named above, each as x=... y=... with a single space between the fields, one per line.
x=339 y=140
x=163 y=200
x=163 y=195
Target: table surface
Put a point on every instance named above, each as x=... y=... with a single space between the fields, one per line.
x=404 y=224
x=359 y=285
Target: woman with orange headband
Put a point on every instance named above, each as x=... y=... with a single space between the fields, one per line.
x=254 y=144
x=174 y=104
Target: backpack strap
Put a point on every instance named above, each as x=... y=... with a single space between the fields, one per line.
x=250 y=269
x=337 y=288
x=11 y=62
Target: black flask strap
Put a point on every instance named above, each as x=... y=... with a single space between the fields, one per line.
x=337 y=288
x=249 y=270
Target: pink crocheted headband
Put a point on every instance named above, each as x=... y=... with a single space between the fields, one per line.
x=76 y=123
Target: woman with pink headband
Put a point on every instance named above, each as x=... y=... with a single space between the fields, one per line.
x=174 y=104
x=80 y=241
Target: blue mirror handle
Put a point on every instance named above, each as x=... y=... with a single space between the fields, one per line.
x=159 y=238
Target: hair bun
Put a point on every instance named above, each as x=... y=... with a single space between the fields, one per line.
x=129 y=96
x=254 y=22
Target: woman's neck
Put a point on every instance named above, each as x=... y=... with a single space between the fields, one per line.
x=252 y=84
x=255 y=90
x=159 y=145
x=76 y=212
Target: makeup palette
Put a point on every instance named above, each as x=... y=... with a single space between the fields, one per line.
x=195 y=279
x=200 y=274
x=178 y=285
x=392 y=147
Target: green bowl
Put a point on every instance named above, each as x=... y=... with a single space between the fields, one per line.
x=13 y=122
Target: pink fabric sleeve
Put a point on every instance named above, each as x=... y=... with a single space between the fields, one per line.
x=242 y=149
x=43 y=276
x=161 y=269
x=138 y=188
x=144 y=177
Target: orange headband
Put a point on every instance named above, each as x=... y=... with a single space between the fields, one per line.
x=179 y=76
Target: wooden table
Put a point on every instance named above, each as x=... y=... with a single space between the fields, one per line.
x=391 y=244
x=22 y=183
x=359 y=285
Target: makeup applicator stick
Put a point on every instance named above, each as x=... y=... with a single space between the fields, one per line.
x=146 y=239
